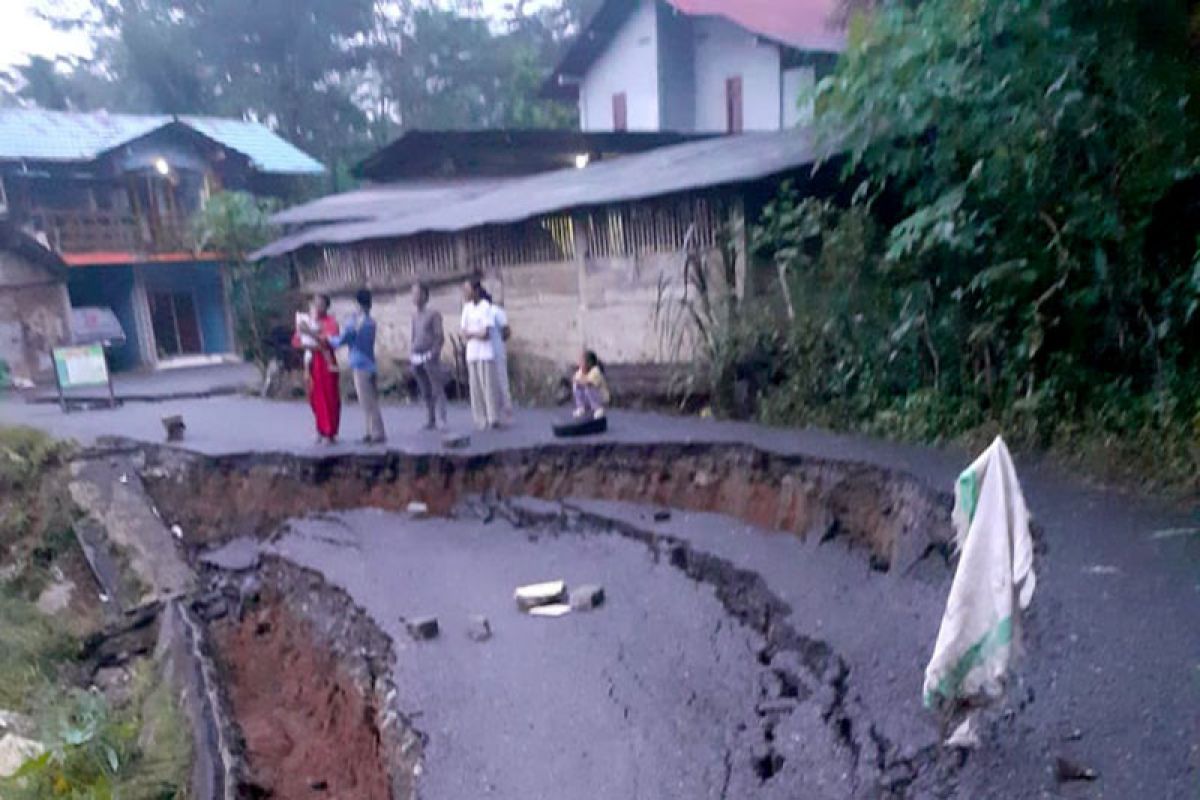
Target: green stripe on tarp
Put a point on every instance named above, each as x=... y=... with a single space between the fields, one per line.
x=968 y=492
x=950 y=684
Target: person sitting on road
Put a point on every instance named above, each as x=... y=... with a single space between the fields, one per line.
x=590 y=387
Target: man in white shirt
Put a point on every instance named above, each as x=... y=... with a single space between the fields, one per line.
x=478 y=320
x=500 y=334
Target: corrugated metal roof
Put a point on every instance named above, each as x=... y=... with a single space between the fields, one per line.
x=267 y=150
x=379 y=202
x=803 y=24
x=34 y=134
x=39 y=135
x=686 y=167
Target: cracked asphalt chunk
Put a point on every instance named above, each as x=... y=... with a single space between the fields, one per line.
x=655 y=698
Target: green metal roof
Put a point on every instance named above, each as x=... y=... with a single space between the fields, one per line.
x=34 y=134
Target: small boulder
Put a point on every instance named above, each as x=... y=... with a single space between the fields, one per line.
x=587 y=598
x=456 y=441
x=478 y=628
x=418 y=510
x=1066 y=770
x=662 y=515
x=174 y=427
x=423 y=628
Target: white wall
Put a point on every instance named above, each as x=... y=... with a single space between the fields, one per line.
x=676 y=70
x=795 y=82
x=724 y=50
x=630 y=65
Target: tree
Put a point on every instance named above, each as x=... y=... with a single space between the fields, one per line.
x=236 y=224
x=1033 y=170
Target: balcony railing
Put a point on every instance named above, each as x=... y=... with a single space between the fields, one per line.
x=112 y=232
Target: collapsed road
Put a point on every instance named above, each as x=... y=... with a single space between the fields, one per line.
x=730 y=660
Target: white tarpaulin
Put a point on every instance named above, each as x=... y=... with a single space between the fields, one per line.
x=993 y=584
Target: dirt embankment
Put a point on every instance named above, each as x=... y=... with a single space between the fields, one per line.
x=891 y=515
x=308 y=730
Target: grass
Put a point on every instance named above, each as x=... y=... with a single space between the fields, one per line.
x=137 y=750
x=32 y=650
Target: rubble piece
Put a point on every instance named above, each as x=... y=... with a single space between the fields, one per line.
x=662 y=515
x=177 y=531
x=15 y=751
x=782 y=705
x=1066 y=770
x=174 y=427
x=422 y=628
x=965 y=737
x=478 y=628
x=455 y=441
x=551 y=610
x=540 y=594
x=587 y=598
x=418 y=510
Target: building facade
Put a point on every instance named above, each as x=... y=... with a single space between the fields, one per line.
x=35 y=311
x=116 y=196
x=679 y=65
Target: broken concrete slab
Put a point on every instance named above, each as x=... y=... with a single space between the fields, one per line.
x=236 y=555
x=127 y=545
x=422 y=628
x=551 y=610
x=456 y=441
x=478 y=628
x=540 y=594
x=587 y=597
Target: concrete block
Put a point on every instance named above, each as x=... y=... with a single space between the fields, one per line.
x=551 y=610
x=174 y=427
x=586 y=598
x=540 y=594
x=456 y=441
x=478 y=628
x=423 y=628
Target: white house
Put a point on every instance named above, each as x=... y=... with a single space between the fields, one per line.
x=704 y=66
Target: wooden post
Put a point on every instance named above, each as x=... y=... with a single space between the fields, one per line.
x=579 y=223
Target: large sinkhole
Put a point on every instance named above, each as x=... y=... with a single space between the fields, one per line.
x=728 y=661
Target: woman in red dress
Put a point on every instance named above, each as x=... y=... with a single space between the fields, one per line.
x=323 y=394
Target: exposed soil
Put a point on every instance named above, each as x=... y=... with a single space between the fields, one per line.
x=309 y=730
x=891 y=515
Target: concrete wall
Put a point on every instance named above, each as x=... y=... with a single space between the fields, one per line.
x=111 y=287
x=724 y=50
x=797 y=81
x=35 y=315
x=629 y=65
x=551 y=318
x=203 y=279
x=676 y=70
x=124 y=288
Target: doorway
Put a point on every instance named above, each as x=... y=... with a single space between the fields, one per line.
x=176 y=324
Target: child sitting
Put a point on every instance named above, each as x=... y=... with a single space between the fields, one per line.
x=590 y=387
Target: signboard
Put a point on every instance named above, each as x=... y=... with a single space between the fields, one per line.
x=78 y=367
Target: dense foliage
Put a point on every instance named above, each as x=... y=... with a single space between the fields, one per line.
x=237 y=224
x=1022 y=244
